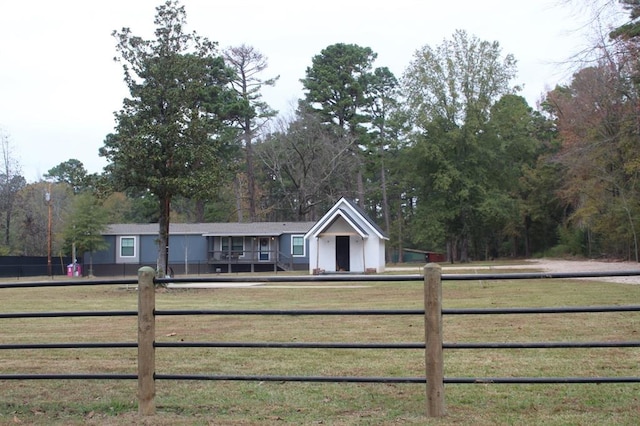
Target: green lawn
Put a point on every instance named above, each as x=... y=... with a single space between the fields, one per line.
x=247 y=403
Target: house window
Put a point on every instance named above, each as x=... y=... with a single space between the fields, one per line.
x=236 y=244
x=127 y=246
x=297 y=245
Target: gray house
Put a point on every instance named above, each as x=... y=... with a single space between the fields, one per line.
x=344 y=239
x=206 y=247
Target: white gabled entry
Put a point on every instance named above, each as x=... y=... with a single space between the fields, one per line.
x=345 y=239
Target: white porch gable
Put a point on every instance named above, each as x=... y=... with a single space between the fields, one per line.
x=345 y=239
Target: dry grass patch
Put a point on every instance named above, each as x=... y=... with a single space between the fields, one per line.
x=247 y=403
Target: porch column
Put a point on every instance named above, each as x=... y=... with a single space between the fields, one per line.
x=317 y=253
x=276 y=253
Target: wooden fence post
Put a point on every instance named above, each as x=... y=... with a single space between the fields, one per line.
x=434 y=361
x=146 y=339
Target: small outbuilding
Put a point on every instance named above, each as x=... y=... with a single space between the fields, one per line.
x=345 y=239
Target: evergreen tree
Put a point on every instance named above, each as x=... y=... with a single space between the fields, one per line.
x=174 y=134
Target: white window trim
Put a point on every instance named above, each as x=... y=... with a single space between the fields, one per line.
x=304 y=246
x=132 y=237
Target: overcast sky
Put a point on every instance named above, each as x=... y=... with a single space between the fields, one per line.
x=59 y=85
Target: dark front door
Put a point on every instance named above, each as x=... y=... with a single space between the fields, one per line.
x=264 y=249
x=342 y=253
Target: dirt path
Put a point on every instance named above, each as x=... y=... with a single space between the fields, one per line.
x=556 y=265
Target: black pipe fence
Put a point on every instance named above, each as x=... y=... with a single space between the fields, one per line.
x=331 y=345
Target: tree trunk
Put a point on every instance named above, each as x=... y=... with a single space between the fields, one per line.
x=400 y=233
x=385 y=206
x=251 y=179
x=527 y=238
x=360 y=182
x=163 y=240
x=464 y=250
x=237 y=189
x=632 y=227
x=8 y=225
x=199 y=213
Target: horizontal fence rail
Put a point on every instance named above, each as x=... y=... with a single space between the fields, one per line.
x=68 y=314
x=65 y=283
x=63 y=376
x=328 y=379
x=327 y=312
x=321 y=278
x=326 y=345
x=147 y=345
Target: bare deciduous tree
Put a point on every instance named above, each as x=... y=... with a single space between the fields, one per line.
x=308 y=163
x=597 y=120
x=248 y=64
x=10 y=184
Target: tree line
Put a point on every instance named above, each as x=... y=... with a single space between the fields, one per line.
x=446 y=157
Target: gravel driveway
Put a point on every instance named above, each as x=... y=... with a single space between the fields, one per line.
x=556 y=265
x=559 y=265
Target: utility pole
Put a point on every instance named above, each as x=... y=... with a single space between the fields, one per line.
x=47 y=197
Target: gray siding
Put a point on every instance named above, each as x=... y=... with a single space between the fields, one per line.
x=197 y=247
x=148 y=249
x=105 y=256
x=286 y=249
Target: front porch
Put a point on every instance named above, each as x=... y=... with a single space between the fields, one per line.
x=251 y=261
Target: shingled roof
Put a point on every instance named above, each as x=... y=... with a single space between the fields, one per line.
x=213 y=229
